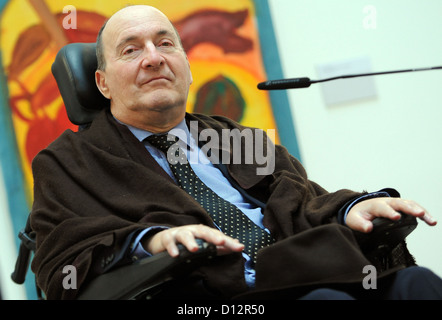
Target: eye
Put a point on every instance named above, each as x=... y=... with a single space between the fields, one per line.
x=165 y=43
x=129 y=50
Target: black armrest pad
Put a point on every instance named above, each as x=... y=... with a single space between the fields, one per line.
x=386 y=234
x=128 y=281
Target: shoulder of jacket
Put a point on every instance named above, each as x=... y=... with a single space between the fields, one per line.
x=214 y=121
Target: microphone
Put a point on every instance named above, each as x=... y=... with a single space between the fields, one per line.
x=285 y=84
x=304 y=82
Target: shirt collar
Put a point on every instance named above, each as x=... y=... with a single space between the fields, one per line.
x=181 y=131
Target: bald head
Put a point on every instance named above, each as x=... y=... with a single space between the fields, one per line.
x=129 y=12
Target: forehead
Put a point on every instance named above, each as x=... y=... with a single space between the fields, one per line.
x=131 y=23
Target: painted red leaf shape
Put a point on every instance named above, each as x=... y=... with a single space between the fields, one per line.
x=214 y=26
x=28 y=48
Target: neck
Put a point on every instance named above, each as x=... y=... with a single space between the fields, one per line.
x=154 y=121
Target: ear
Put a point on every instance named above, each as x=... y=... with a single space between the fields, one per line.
x=100 y=80
x=190 y=71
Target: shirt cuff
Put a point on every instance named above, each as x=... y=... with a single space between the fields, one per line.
x=381 y=193
x=138 y=252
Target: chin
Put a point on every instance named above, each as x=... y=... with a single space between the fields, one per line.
x=164 y=103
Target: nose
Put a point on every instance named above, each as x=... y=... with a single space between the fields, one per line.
x=152 y=57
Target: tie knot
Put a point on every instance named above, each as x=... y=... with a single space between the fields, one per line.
x=162 y=141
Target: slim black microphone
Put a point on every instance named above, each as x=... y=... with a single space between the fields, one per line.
x=295 y=83
x=285 y=84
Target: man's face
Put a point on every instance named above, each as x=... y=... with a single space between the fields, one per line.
x=146 y=68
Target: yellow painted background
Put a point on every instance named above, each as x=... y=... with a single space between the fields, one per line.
x=207 y=61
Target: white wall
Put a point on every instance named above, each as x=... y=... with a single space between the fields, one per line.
x=393 y=140
x=9 y=290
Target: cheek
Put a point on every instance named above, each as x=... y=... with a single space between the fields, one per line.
x=186 y=78
x=121 y=79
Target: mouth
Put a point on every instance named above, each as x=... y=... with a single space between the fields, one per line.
x=154 y=80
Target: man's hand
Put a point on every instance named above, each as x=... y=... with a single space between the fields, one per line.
x=360 y=216
x=186 y=235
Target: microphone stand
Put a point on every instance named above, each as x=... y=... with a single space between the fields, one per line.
x=304 y=82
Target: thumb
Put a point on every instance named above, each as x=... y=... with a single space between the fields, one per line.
x=358 y=222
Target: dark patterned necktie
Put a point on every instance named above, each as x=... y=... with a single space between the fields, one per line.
x=227 y=216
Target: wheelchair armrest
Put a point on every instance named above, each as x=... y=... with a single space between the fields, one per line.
x=386 y=234
x=27 y=247
x=128 y=282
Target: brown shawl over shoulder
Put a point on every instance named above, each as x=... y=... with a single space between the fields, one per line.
x=95 y=188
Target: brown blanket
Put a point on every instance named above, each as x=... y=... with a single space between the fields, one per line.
x=96 y=188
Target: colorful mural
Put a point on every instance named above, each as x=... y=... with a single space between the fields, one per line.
x=224 y=41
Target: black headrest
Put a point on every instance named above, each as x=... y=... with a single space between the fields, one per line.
x=74 y=70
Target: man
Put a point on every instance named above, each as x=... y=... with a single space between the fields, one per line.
x=107 y=195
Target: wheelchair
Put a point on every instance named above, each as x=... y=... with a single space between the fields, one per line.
x=74 y=70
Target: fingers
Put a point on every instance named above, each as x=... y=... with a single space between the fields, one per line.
x=359 y=221
x=428 y=219
x=186 y=235
x=360 y=216
x=232 y=245
x=412 y=208
x=171 y=238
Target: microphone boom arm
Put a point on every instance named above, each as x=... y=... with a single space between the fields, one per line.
x=305 y=82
